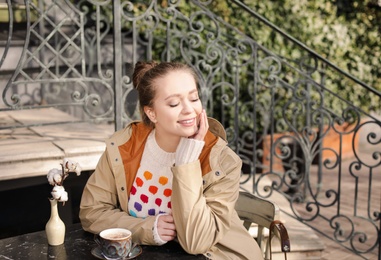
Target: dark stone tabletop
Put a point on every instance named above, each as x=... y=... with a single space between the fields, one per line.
x=78 y=245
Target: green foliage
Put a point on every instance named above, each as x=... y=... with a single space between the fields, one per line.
x=350 y=40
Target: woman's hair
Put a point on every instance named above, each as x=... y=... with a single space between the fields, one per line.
x=144 y=76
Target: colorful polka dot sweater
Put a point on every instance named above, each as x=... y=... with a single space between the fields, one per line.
x=152 y=189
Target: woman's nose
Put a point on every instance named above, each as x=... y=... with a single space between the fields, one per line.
x=187 y=107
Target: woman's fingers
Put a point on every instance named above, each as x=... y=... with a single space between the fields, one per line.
x=168 y=235
x=166 y=227
x=203 y=127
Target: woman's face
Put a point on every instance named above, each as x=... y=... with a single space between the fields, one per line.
x=176 y=106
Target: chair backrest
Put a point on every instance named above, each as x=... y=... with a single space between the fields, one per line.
x=264 y=214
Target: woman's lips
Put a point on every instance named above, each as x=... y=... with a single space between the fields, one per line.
x=187 y=122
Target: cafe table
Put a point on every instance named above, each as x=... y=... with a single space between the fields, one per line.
x=78 y=244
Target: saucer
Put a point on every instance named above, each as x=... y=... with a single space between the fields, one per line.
x=96 y=251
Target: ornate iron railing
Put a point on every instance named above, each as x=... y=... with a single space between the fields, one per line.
x=279 y=112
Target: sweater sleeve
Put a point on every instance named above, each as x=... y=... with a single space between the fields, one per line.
x=188 y=150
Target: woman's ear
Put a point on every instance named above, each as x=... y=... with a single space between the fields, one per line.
x=150 y=113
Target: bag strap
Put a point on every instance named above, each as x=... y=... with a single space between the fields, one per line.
x=284 y=239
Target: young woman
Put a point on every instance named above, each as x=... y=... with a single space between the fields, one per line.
x=171 y=175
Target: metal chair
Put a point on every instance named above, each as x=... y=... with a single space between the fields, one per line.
x=263 y=213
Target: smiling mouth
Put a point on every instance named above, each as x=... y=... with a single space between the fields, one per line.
x=187 y=122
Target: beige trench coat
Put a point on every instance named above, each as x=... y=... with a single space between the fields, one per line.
x=204 y=193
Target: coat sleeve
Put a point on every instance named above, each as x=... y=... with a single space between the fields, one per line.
x=203 y=215
x=100 y=205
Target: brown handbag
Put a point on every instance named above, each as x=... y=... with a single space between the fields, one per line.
x=277 y=227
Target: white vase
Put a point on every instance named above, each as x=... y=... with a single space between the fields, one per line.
x=55 y=227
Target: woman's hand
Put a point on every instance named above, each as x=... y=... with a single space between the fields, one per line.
x=203 y=127
x=166 y=227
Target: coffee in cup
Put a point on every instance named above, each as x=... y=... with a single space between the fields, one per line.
x=114 y=242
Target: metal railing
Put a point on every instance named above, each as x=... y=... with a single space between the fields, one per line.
x=279 y=112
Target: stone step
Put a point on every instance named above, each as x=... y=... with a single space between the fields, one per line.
x=32 y=151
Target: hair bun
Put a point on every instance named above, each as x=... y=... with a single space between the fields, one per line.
x=141 y=68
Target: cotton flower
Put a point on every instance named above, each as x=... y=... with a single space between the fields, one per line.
x=59 y=193
x=71 y=166
x=56 y=178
